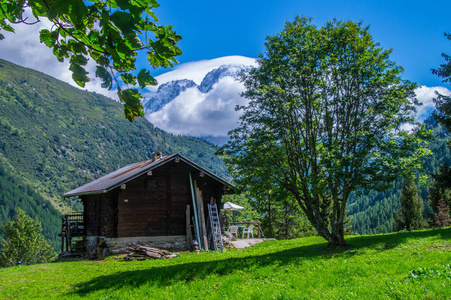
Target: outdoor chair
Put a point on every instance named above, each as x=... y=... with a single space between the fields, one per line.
x=233 y=230
x=249 y=230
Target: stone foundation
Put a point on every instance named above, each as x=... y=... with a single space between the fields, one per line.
x=119 y=245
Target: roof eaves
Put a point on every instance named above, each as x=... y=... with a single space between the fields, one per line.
x=85 y=193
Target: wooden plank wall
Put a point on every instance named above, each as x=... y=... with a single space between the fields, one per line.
x=89 y=214
x=142 y=207
x=100 y=214
x=179 y=198
x=154 y=205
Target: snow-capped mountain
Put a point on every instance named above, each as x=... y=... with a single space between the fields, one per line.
x=204 y=109
x=213 y=76
x=172 y=89
x=166 y=93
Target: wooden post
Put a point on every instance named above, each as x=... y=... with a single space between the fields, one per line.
x=196 y=220
x=200 y=205
x=63 y=233
x=189 y=238
x=68 y=235
x=258 y=229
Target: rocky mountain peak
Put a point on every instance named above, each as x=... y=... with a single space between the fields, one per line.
x=213 y=76
x=166 y=93
x=172 y=89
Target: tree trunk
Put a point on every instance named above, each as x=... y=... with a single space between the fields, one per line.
x=338 y=239
x=269 y=218
x=335 y=236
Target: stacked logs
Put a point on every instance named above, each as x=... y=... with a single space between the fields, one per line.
x=142 y=253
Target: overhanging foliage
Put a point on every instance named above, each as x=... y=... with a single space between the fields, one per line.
x=108 y=32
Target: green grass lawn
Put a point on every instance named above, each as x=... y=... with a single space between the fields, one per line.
x=410 y=265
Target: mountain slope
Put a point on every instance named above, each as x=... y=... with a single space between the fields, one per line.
x=375 y=212
x=56 y=137
x=14 y=193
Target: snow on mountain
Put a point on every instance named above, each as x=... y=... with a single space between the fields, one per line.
x=168 y=91
x=205 y=109
x=196 y=71
x=213 y=76
x=165 y=94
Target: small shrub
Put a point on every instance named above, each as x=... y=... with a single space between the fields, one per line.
x=24 y=242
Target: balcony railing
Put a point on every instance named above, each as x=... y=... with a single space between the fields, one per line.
x=72 y=225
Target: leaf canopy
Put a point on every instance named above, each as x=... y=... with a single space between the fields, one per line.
x=109 y=33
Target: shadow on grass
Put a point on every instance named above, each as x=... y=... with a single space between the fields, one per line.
x=395 y=239
x=186 y=272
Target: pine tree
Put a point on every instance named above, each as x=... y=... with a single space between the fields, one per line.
x=24 y=242
x=440 y=192
x=442 y=218
x=410 y=214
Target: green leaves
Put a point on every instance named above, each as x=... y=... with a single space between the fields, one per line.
x=144 y=78
x=132 y=103
x=105 y=32
x=78 y=72
x=105 y=76
x=427 y=273
x=24 y=242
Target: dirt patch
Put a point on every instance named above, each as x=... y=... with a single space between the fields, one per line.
x=444 y=248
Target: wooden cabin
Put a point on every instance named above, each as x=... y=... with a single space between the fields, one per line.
x=164 y=198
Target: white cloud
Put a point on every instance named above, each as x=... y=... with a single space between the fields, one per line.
x=24 y=48
x=197 y=70
x=425 y=95
x=198 y=114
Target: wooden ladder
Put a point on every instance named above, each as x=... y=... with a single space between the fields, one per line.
x=215 y=227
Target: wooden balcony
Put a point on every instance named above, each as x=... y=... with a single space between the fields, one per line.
x=72 y=225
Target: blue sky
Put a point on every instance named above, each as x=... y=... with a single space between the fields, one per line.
x=212 y=29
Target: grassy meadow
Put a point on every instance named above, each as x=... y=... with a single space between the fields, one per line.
x=408 y=265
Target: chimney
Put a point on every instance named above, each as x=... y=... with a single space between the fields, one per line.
x=155 y=156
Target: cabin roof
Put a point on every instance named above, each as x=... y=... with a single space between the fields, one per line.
x=112 y=180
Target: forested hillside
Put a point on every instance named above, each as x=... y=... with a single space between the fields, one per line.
x=14 y=193
x=54 y=137
x=375 y=212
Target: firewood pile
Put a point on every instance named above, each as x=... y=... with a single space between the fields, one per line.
x=142 y=253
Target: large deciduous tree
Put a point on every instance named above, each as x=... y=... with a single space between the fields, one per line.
x=109 y=32
x=324 y=119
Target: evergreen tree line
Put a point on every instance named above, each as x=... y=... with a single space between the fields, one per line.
x=15 y=194
x=375 y=212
